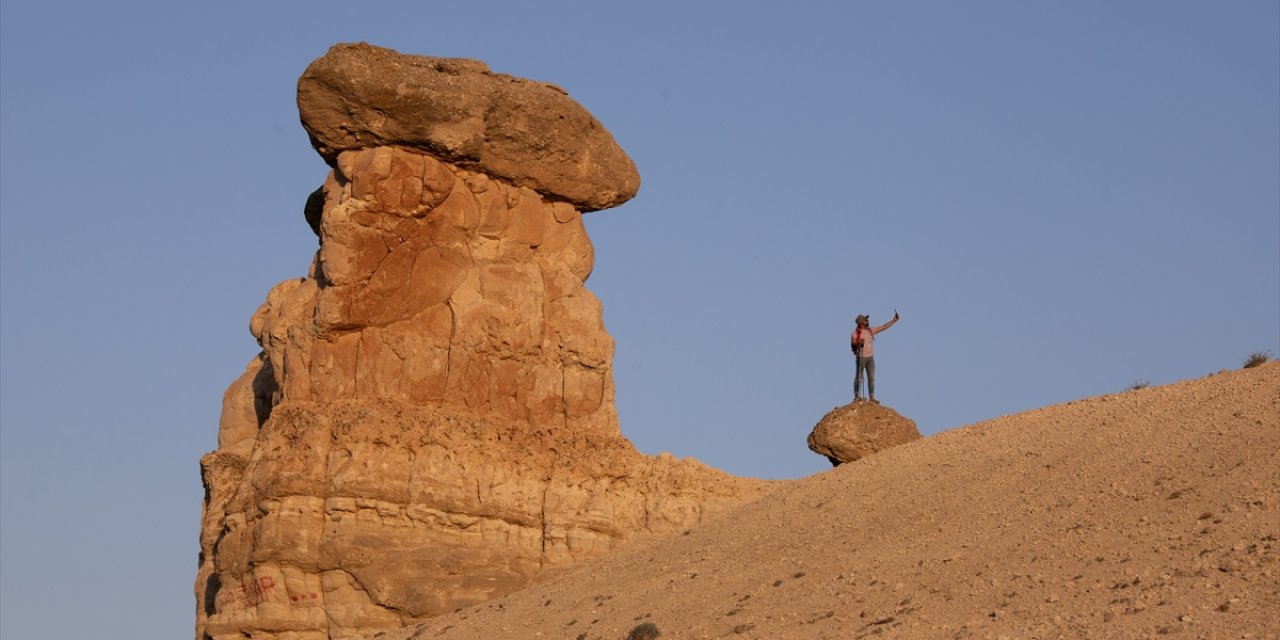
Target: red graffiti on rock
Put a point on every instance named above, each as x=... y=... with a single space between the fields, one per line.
x=249 y=593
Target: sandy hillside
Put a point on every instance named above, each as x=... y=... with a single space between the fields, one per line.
x=1149 y=513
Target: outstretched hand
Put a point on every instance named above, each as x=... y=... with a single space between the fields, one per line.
x=895 y=315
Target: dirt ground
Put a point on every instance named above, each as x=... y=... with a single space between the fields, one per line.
x=1151 y=513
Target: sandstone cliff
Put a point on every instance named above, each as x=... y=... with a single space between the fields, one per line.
x=430 y=423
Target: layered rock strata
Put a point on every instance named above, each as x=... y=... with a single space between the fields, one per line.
x=430 y=422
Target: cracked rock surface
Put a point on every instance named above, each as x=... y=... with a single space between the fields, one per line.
x=430 y=423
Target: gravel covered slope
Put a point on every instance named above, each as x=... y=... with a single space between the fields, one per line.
x=1149 y=513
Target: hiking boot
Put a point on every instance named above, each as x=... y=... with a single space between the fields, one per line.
x=874 y=401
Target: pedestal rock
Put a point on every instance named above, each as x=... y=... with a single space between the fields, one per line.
x=430 y=422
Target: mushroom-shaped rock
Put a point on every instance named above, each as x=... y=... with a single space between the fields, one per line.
x=431 y=423
x=531 y=133
x=858 y=430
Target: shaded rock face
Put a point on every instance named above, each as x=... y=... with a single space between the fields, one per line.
x=858 y=430
x=430 y=422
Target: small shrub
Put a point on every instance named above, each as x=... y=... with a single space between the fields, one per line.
x=646 y=631
x=1140 y=383
x=1256 y=358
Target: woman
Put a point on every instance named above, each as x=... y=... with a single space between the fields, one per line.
x=862 y=341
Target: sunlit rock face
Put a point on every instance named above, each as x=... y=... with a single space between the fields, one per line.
x=431 y=422
x=530 y=134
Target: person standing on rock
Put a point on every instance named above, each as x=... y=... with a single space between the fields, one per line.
x=862 y=341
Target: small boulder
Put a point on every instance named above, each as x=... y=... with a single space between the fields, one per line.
x=858 y=430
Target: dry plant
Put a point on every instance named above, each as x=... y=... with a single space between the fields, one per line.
x=1256 y=358
x=1140 y=383
x=645 y=631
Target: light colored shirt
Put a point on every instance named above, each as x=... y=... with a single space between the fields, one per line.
x=867 y=338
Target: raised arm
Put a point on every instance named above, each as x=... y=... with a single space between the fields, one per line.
x=887 y=324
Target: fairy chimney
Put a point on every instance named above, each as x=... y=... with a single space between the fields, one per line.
x=430 y=422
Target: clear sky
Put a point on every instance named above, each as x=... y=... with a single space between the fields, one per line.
x=1060 y=199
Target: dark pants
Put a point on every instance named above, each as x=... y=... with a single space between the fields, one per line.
x=870 y=365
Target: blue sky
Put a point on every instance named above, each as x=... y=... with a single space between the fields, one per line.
x=1060 y=199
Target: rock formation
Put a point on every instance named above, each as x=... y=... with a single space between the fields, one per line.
x=529 y=134
x=430 y=422
x=858 y=430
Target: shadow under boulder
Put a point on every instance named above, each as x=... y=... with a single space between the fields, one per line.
x=858 y=430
